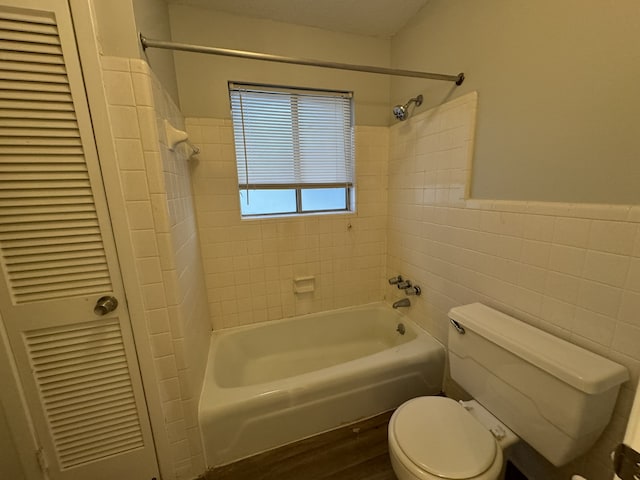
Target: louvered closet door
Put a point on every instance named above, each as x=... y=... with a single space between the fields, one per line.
x=78 y=369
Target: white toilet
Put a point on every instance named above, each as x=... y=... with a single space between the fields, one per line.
x=526 y=383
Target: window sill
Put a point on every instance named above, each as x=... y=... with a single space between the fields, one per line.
x=290 y=216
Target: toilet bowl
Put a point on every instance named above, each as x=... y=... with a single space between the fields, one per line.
x=437 y=438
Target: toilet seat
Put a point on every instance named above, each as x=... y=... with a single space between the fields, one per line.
x=437 y=438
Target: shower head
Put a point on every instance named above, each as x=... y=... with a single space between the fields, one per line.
x=401 y=112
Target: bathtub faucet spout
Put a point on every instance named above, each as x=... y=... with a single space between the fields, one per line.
x=402 y=303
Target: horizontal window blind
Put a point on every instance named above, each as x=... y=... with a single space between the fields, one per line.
x=292 y=137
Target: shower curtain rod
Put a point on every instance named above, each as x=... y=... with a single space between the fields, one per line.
x=186 y=47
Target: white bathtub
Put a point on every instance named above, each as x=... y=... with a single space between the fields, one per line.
x=275 y=383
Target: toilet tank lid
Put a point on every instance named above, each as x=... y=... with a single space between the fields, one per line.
x=576 y=366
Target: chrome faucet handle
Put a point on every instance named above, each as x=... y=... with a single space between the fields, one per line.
x=412 y=290
x=403 y=285
x=395 y=280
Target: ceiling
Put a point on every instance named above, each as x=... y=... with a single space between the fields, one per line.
x=378 y=18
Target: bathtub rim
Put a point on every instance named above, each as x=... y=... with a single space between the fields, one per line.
x=363 y=306
x=216 y=337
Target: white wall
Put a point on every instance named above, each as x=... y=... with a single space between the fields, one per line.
x=165 y=251
x=202 y=79
x=250 y=265
x=571 y=270
x=118 y=23
x=557 y=119
x=152 y=20
x=116 y=28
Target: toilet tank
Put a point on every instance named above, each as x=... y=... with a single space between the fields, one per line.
x=554 y=395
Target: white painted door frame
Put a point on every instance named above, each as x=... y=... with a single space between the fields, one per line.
x=89 y=51
x=20 y=426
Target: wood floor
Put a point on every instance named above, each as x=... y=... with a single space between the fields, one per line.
x=354 y=452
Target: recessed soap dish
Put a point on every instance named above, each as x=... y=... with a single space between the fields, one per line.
x=304 y=284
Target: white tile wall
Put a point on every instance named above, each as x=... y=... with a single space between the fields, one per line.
x=159 y=208
x=572 y=270
x=250 y=265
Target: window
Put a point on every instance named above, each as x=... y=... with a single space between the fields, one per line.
x=294 y=149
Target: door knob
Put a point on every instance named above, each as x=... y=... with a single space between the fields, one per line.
x=105 y=305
